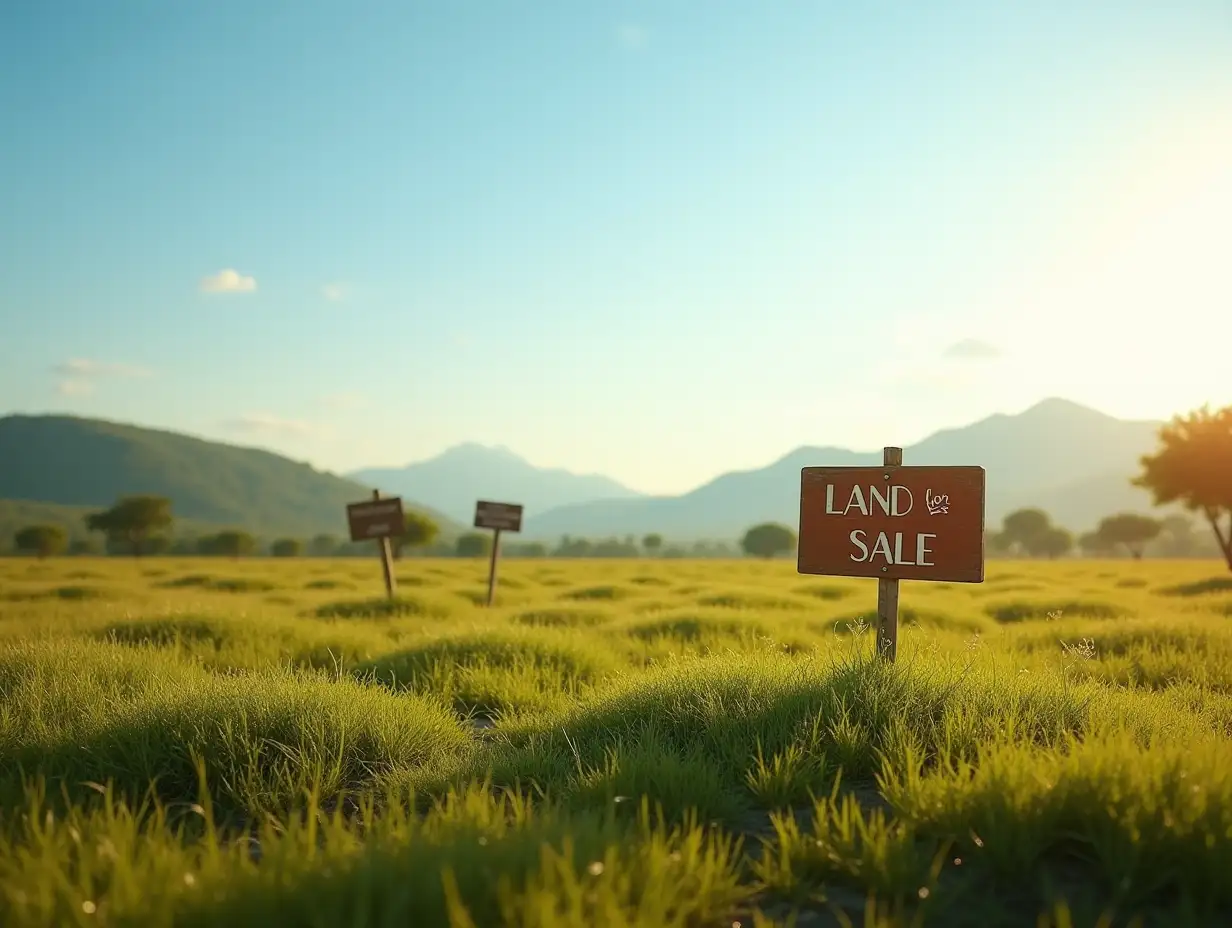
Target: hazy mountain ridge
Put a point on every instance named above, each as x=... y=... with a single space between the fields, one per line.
x=78 y=462
x=1072 y=461
x=457 y=477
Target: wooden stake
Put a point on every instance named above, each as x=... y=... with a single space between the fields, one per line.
x=387 y=560
x=887 y=590
x=492 y=566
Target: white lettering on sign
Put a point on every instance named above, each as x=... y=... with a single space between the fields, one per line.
x=378 y=527
x=891 y=553
x=889 y=501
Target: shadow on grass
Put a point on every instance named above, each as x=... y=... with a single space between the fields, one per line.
x=1199 y=587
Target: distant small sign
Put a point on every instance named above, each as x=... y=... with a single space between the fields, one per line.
x=504 y=517
x=377 y=518
x=893 y=522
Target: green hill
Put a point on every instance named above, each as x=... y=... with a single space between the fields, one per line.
x=81 y=465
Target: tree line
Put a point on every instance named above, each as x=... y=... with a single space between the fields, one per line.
x=1192 y=467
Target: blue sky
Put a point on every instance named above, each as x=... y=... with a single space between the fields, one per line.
x=657 y=241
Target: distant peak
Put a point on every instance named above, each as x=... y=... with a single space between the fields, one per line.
x=474 y=449
x=1055 y=405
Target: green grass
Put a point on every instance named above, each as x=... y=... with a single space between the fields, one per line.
x=615 y=743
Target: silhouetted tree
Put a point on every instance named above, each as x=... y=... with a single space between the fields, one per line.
x=229 y=543
x=1023 y=530
x=287 y=547
x=1092 y=543
x=474 y=544
x=41 y=540
x=769 y=539
x=82 y=547
x=1128 y=529
x=418 y=532
x=132 y=522
x=652 y=543
x=1176 y=537
x=1054 y=543
x=323 y=546
x=1194 y=467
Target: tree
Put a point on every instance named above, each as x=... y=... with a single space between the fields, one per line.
x=1023 y=530
x=41 y=540
x=1054 y=543
x=769 y=539
x=323 y=546
x=287 y=547
x=132 y=522
x=418 y=532
x=1092 y=543
x=1128 y=529
x=652 y=543
x=1176 y=537
x=81 y=547
x=1193 y=466
x=229 y=543
x=474 y=544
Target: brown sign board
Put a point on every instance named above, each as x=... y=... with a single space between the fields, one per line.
x=894 y=523
x=376 y=518
x=506 y=517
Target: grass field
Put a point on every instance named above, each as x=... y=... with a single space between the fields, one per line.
x=617 y=743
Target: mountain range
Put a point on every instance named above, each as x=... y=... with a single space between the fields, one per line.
x=1072 y=461
x=454 y=479
x=82 y=465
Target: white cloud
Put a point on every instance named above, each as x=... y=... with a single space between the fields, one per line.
x=971 y=349
x=260 y=423
x=80 y=376
x=335 y=292
x=228 y=281
x=88 y=367
x=632 y=37
x=74 y=387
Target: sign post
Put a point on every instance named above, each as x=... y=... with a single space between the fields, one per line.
x=379 y=519
x=892 y=523
x=500 y=517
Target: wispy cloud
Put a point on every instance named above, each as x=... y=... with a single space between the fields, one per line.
x=228 y=280
x=632 y=37
x=80 y=376
x=971 y=349
x=88 y=367
x=335 y=292
x=74 y=387
x=261 y=423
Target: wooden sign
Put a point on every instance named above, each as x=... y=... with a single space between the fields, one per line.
x=500 y=517
x=376 y=518
x=901 y=523
x=504 y=517
x=379 y=519
x=892 y=523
